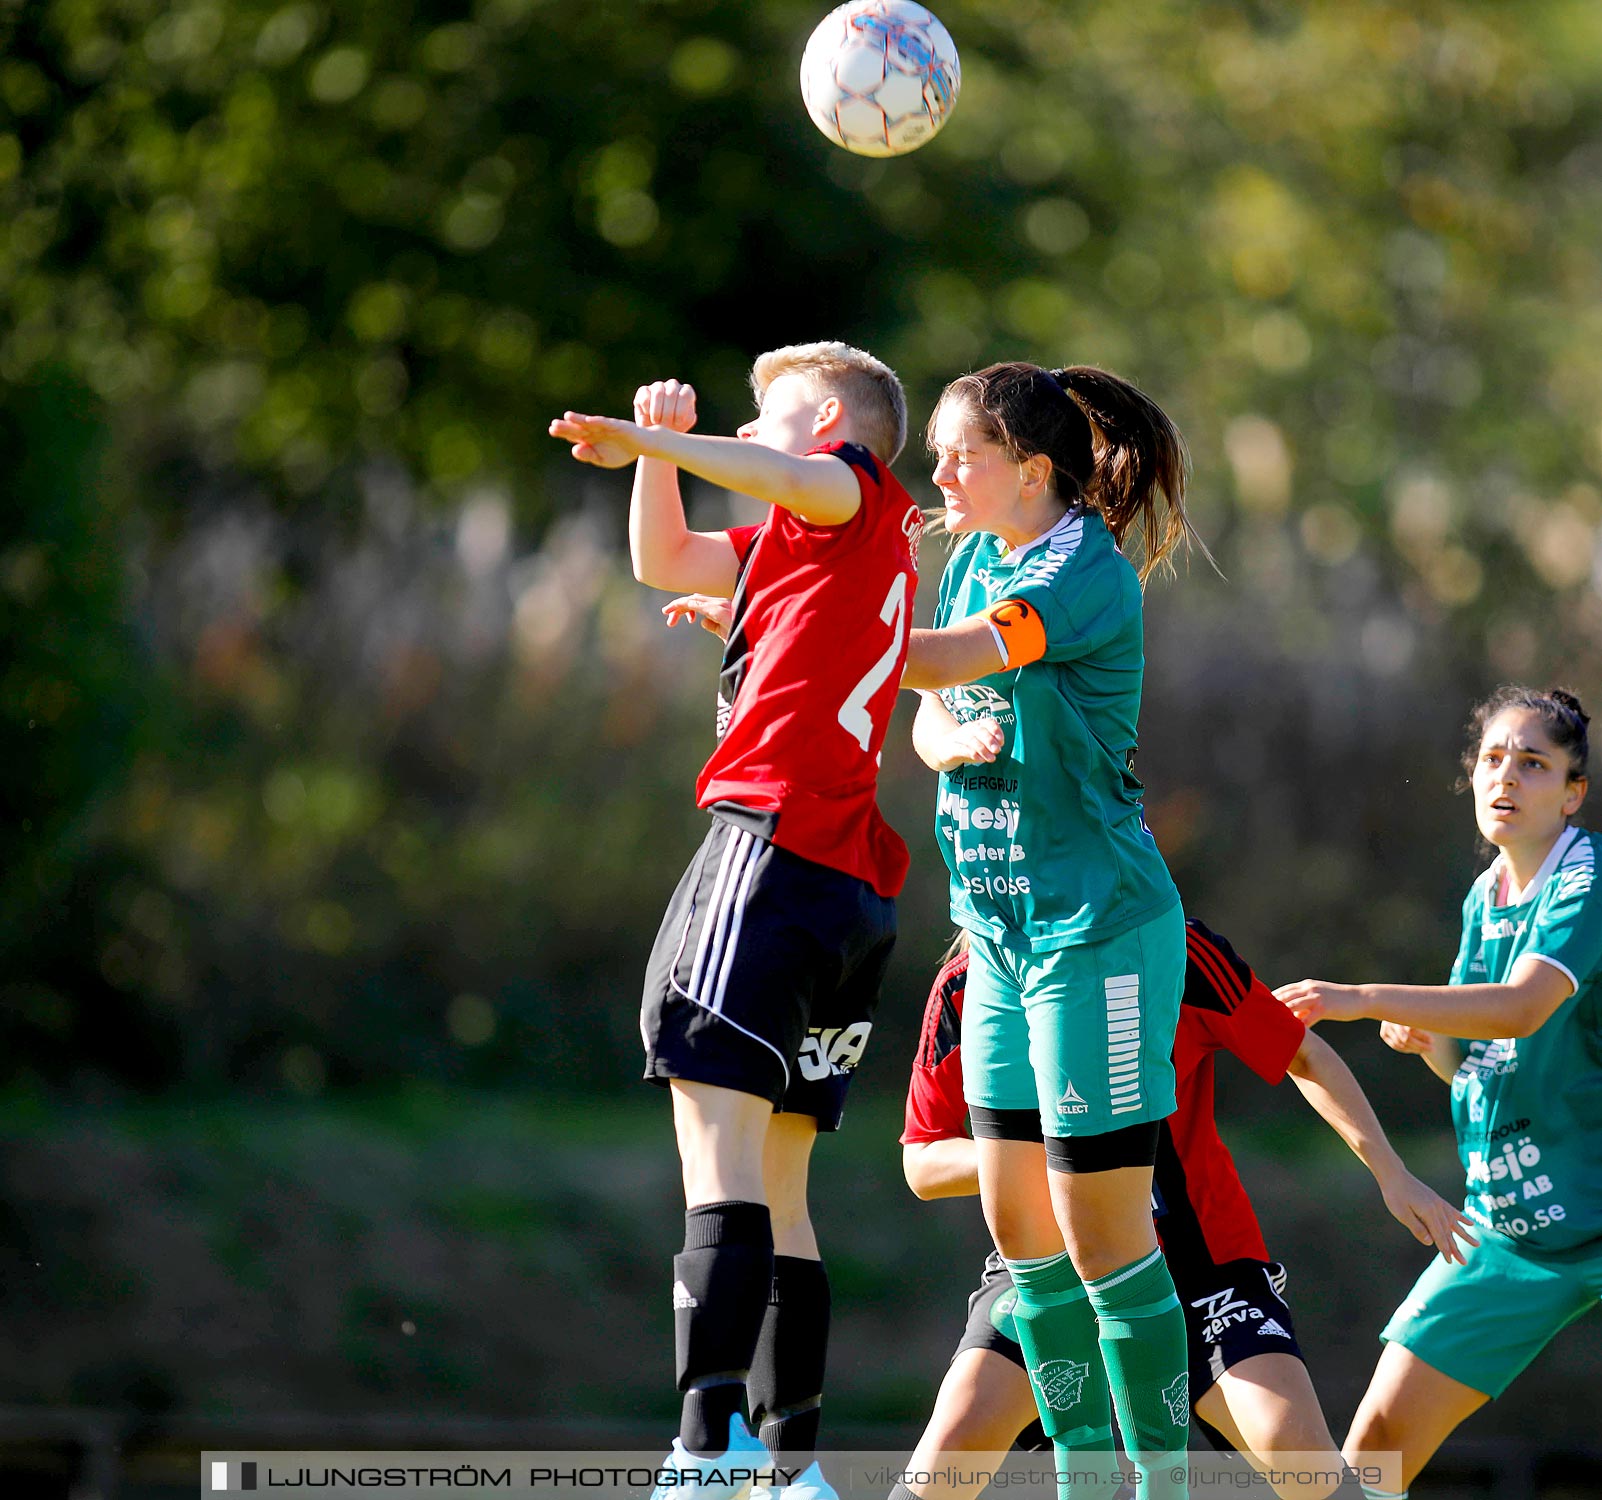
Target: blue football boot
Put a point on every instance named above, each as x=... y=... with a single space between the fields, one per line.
x=727 y=1478
x=809 y=1484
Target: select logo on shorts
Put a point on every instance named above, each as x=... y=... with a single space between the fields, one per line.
x=1071 y=1103
x=1061 y=1382
x=833 y=1050
x=227 y=1476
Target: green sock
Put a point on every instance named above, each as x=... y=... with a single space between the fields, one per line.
x=1143 y=1343
x=1057 y=1331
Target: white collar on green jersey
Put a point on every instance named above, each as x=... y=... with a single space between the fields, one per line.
x=1548 y=865
x=1072 y=514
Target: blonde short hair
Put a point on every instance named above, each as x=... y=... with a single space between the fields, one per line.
x=867 y=387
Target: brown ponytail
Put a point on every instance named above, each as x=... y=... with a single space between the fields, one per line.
x=1141 y=465
x=1112 y=448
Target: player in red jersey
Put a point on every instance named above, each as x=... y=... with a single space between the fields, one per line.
x=763 y=981
x=1247 y=1379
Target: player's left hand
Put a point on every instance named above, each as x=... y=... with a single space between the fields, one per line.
x=1315 y=1000
x=1400 y=1038
x=665 y=403
x=705 y=610
x=606 y=442
x=975 y=743
x=1427 y=1216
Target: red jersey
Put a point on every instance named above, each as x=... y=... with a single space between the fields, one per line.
x=816 y=645
x=1202 y=1213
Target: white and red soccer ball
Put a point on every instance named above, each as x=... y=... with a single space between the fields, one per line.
x=879 y=77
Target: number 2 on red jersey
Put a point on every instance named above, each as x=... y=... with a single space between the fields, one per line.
x=854 y=716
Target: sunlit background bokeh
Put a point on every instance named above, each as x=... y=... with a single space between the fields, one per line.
x=347 y=769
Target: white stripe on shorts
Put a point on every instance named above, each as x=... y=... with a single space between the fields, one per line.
x=747 y=875
x=1123 y=1042
x=720 y=934
x=708 y=952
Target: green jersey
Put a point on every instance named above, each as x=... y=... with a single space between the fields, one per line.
x=1528 y=1110
x=1046 y=845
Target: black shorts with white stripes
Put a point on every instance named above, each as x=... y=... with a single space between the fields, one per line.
x=1233 y=1310
x=765 y=975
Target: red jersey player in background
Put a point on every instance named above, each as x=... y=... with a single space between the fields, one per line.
x=762 y=985
x=1248 y=1382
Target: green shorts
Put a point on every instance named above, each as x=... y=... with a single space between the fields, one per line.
x=1482 y=1322
x=1084 y=1034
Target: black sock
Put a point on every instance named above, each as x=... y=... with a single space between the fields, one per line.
x=720 y=1290
x=786 y=1381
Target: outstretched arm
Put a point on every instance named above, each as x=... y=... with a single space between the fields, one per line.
x=666 y=554
x=819 y=488
x=1008 y=634
x=1519 y=1007
x=942 y=1169
x=1327 y=1084
x=951 y=655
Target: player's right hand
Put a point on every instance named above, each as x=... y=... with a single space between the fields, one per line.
x=706 y=610
x=665 y=403
x=1400 y=1038
x=603 y=441
x=1315 y=1000
x=1427 y=1216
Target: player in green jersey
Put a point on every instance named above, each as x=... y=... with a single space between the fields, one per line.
x=1031 y=687
x=1517 y=1033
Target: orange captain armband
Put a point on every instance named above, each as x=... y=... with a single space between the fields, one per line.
x=1019 y=631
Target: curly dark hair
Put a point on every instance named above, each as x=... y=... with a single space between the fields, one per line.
x=1561 y=715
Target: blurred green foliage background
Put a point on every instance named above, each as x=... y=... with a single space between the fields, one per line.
x=342 y=753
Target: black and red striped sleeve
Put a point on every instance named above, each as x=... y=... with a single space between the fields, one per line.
x=936 y=1110
x=1238 y=1011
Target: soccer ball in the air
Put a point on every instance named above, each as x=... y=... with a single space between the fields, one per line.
x=880 y=76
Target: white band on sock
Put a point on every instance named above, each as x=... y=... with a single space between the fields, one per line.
x=1039 y=1260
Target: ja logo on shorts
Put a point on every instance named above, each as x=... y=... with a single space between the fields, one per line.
x=833 y=1049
